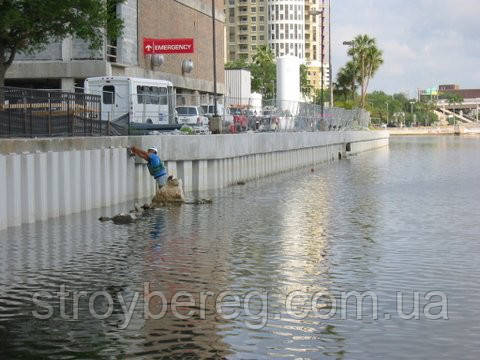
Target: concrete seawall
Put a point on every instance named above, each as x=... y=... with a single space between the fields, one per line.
x=47 y=178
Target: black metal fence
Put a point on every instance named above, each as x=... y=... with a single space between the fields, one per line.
x=39 y=113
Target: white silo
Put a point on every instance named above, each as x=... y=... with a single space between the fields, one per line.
x=288 y=83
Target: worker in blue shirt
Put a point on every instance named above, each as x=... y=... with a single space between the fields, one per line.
x=155 y=166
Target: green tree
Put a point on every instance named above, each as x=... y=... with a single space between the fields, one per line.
x=368 y=59
x=237 y=64
x=29 y=25
x=452 y=98
x=264 y=72
x=317 y=98
x=347 y=79
x=305 y=86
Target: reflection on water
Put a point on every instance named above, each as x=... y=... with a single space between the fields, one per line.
x=400 y=219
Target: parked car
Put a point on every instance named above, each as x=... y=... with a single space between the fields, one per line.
x=209 y=110
x=191 y=115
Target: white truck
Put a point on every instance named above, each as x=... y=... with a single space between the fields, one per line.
x=147 y=101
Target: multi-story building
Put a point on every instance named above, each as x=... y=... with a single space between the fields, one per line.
x=289 y=27
x=317 y=18
x=65 y=64
x=246 y=27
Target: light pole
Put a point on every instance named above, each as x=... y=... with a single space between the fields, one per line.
x=411 y=108
x=322 y=46
x=214 y=36
x=330 y=51
x=388 y=114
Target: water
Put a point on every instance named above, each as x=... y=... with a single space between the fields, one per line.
x=403 y=219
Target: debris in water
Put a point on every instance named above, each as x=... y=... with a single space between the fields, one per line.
x=124 y=219
x=199 y=202
x=171 y=193
x=241 y=183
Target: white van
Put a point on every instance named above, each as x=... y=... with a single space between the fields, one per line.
x=144 y=100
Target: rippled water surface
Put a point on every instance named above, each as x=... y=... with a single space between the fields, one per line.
x=399 y=220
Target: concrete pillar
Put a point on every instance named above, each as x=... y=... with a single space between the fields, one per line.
x=231 y=172
x=122 y=175
x=212 y=174
x=236 y=170
x=171 y=168
x=114 y=155
x=131 y=179
x=185 y=170
x=41 y=206
x=76 y=180
x=53 y=182
x=67 y=49
x=64 y=187
x=28 y=188
x=3 y=192
x=105 y=168
x=202 y=175
x=96 y=169
x=86 y=183
x=220 y=173
x=139 y=186
x=68 y=84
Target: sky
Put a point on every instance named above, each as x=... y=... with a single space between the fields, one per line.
x=426 y=43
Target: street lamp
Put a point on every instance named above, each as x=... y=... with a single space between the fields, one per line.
x=322 y=45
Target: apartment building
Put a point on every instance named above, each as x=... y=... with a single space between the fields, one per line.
x=289 y=27
x=66 y=64
x=246 y=27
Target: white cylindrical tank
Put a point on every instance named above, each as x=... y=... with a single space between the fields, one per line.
x=288 y=83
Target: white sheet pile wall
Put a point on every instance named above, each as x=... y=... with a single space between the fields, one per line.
x=48 y=178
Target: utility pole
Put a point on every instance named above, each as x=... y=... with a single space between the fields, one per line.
x=322 y=94
x=388 y=114
x=330 y=51
x=214 y=61
x=411 y=109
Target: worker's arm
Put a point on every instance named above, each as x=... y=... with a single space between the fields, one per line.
x=139 y=153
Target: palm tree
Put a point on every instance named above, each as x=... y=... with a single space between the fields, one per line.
x=367 y=58
x=347 y=79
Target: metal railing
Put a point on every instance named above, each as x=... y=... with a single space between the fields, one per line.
x=35 y=113
x=40 y=113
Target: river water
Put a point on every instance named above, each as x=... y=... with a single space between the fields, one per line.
x=266 y=270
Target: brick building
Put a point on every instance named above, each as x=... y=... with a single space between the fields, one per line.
x=65 y=64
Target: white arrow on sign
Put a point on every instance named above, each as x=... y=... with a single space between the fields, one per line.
x=149 y=47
